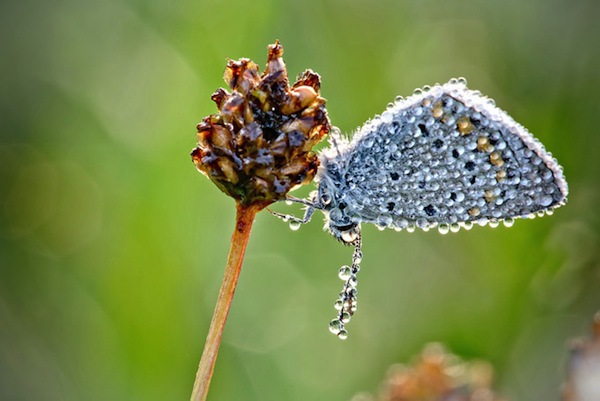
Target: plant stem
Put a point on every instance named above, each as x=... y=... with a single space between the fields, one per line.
x=239 y=240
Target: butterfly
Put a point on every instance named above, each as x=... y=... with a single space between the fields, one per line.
x=445 y=157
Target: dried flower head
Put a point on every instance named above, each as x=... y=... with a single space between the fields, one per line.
x=259 y=146
x=437 y=375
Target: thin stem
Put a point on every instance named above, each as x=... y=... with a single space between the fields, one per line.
x=239 y=240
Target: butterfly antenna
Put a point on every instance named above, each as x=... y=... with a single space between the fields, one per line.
x=334 y=135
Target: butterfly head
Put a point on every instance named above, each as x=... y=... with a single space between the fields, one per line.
x=331 y=201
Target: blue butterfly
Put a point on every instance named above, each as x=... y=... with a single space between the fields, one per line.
x=444 y=157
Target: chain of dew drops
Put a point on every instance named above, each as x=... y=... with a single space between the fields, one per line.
x=346 y=304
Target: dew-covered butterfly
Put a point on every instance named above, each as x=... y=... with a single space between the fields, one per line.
x=444 y=157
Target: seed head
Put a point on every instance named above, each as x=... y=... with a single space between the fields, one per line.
x=258 y=146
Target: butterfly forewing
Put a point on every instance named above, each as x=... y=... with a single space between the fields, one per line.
x=447 y=155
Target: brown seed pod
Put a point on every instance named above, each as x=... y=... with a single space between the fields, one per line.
x=258 y=146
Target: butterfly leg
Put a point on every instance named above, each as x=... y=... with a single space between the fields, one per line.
x=296 y=222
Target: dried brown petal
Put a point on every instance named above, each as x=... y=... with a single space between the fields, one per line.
x=228 y=170
x=241 y=75
x=300 y=98
x=309 y=78
x=221 y=137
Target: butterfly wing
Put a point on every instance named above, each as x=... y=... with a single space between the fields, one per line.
x=447 y=155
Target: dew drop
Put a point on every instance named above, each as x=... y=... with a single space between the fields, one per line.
x=422 y=223
x=295 y=225
x=418 y=91
x=443 y=228
x=387 y=116
x=335 y=326
x=345 y=273
x=462 y=81
x=508 y=222
x=455 y=227
x=338 y=304
x=289 y=202
x=353 y=280
x=335 y=214
x=342 y=334
x=384 y=221
x=345 y=317
x=493 y=223
x=357 y=257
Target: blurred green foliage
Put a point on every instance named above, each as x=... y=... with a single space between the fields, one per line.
x=112 y=245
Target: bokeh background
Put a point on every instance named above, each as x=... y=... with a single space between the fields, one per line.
x=112 y=245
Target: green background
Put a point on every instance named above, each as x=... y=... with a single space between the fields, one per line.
x=112 y=245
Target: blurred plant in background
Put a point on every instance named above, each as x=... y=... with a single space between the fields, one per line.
x=111 y=247
x=436 y=375
x=583 y=367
